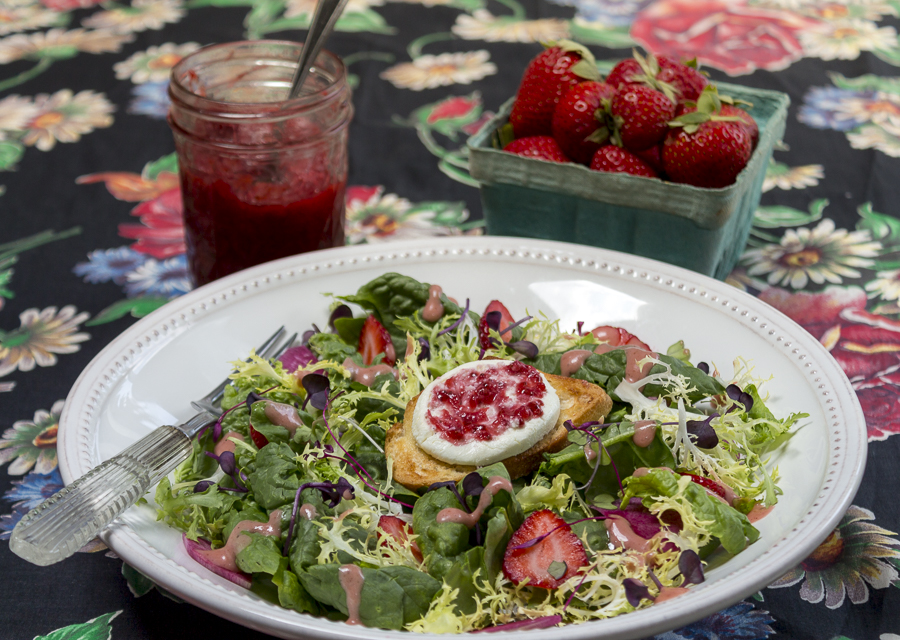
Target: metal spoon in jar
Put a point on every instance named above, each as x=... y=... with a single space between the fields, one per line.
x=327 y=14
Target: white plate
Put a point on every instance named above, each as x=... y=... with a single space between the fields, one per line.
x=147 y=377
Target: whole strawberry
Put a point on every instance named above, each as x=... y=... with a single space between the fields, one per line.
x=679 y=81
x=746 y=118
x=547 y=78
x=618 y=160
x=541 y=147
x=640 y=116
x=683 y=78
x=706 y=154
x=574 y=120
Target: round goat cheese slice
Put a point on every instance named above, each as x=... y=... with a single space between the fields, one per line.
x=485 y=411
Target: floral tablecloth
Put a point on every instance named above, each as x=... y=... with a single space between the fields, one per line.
x=91 y=235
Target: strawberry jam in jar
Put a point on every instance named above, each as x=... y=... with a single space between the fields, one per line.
x=262 y=177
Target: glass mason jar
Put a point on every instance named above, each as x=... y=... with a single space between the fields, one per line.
x=262 y=177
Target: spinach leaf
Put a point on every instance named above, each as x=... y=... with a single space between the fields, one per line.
x=391 y=296
x=704 y=384
x=305 y=545
x=619 y=443
x=329 y=346
x=249 y=512
x=441 y=542
x=390 y=598
x=593 y=532
x=462 y=577
x=606 y=370
x=349 y=329
x=276 y=477
x=262 y=555
x=272 y=432
x=291 y=594
x=501 y=500
x=730 y=526
x=499 y=531
x=546 y=362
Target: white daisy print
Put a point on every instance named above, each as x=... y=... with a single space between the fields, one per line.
x=23 y=17
x=483 y=25
x=65 y=117
x=845 y=39
x=155 y=64
x=140 y=16
x=15 y=114
x=429 y=72
x=784 y=177
x=59 y=43
x=820 y=255
x=886 y=285
x=872 y=136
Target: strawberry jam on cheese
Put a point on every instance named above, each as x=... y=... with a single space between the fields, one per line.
x=480 y=405
x=485 y=411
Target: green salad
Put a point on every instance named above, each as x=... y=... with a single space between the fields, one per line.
x=291 y=494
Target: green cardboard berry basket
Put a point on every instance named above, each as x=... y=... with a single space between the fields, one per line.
x=701 y=229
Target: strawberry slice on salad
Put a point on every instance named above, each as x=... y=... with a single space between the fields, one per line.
x=506 y=319
x=373 y=340
x=707 y=483
x=618 y=337
x=544 y=550
x=400 y=531
x=258 y=439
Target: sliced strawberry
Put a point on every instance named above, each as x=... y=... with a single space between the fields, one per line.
x=560 y=548
x=708 y=484
x=373 y=340
x=258 y=439
x=400 y=531
x=618 y=337
x=506 y=319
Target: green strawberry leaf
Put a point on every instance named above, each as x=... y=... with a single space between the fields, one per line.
x=576 y=47
x=600 y=135
x=587 y=70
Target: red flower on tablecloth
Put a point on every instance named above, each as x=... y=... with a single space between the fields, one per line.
x=161 y=233
x=866 y=345
x=732 y=36
x=455 y=107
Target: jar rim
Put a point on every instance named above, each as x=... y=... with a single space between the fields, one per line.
x=223 y=52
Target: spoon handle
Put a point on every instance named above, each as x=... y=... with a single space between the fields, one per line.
x=324 y=19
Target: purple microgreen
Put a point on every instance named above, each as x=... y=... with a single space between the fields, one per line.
x=473 y=484
x=317 y=387
x=203 y=485
x=458 y=322
x=703 y=367
x=450 y=484
x=557 y=569
x=252 y=398
x=341 y=311
x=297 y=358
x=425 y=353
x=585 y=428
x=526 y=348
x=492 y=320
x=309 y=333
x=735 y=393
x=702 y=432
x=691 y=567
x=512 y=325
x=332 y=494
x=580 y=326
x=357 y=467
x=217 y=428
x=655 y=579
x=642 y=522
x=481 y=353
x=228 y=465
x=544 y=622
x=635 y=591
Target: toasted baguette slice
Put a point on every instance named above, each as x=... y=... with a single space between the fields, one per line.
x=414 y=468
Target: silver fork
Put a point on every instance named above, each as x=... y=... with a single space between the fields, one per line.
x=65 y=522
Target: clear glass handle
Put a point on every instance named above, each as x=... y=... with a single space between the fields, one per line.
x=65 y=522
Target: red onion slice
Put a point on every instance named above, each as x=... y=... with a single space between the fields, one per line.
x=544 y=622
x=194 y=548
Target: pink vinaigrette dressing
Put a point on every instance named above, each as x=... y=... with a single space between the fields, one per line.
x=481 y=405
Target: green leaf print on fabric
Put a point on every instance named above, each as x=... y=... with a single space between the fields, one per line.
x=97 y=629
x=137 y=307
